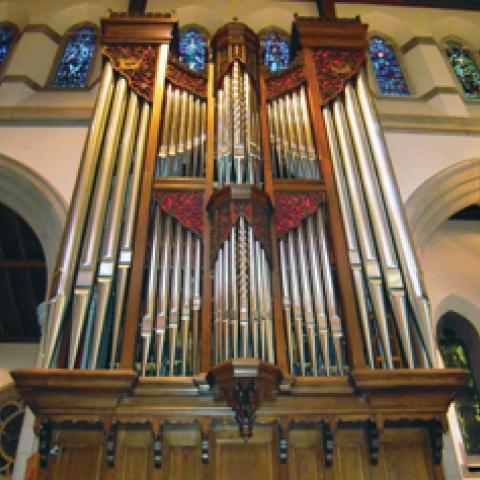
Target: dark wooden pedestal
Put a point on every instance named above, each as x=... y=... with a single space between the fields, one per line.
x=98 y=425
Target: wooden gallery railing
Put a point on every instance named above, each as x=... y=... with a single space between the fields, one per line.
x=235 y=236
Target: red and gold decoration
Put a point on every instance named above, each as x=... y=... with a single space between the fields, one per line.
x=182 y=77
x=291 y=208
x=285 y=81
x=334 y=67
x=136 y=64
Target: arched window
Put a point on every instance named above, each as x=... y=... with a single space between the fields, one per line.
x=276 y=50
x=467 y=404
x=465 y=68
x=193 y=49
x=7 y=35
x=389 y=75
x=73 y=67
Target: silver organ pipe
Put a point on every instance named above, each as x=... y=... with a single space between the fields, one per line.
x=371 y=264
x=291 y=140
x=388 y=258
x=106 y=199
x=351 y=237
x=238 y=137
x=174 y=272
x=309 y=293
x=111 y=238
x=370 y=205
x=85 y=278
x=183 y=135
x=126 y=244
x=243 y=322
x=68 y=259
x=396 y=215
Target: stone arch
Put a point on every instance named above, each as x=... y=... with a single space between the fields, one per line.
x=37 y=202
x=442 y=195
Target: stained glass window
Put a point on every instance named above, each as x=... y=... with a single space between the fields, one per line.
x=193 y=49
x=465 y=69
x=77 y=56
x=389 y=75
x=467 y=403
x=276 y=50
x=7 y=33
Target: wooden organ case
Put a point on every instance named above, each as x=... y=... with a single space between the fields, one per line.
x=237 y=295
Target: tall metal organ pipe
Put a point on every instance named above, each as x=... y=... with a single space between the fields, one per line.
x=291 y=140
x=172 y=294
x=93 y=233
x=363 y=201
x=243 y=322
x=68 y=257
x=183 y=136
x=310 y=297
x=396 y=214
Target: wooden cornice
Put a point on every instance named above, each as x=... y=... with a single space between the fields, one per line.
x=153 y=29
x=316 y=33
x=83 y=395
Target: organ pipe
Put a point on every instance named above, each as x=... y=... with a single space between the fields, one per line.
x=90 y=250
x=183 y=139
x=351 y=237
x=126 y=244
x=290 y=134
x=68 y=258
x=396 y=216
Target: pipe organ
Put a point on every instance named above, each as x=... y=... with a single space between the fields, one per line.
x=236 y=279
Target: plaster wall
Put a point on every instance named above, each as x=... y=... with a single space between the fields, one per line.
x=26 y=60
x=53 y=152
x=451 y=263
x=15 y=355
x=418 y=156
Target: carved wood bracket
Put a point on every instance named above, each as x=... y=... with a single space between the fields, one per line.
x=244 y=384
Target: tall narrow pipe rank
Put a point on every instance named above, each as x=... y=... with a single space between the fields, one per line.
x=397 y=218
x=291 y=140
x=68 y=257
x=90 y=249
x=163 y=289
x=147 y=322
x=388 y=257
x=367 y=247
x=351 y=237
x=110 y=242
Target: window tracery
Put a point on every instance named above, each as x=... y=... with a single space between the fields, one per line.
x=11 y=418
x=389 y=75
x=193 y=49
x=74 y=65
x=276 y=50
x=465 y=69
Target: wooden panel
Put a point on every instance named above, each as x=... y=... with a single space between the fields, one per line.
x=237 y=459
x=304 y=462
x=80 y=455
x=134 y=456
x=404 y=454
x=182 y=454
x=351 y=455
